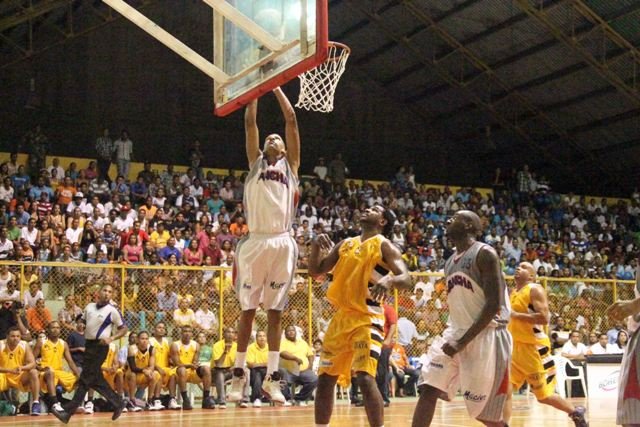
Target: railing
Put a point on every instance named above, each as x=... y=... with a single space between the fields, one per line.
x=136 y=289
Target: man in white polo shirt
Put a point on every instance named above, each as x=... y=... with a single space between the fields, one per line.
x=100 y=318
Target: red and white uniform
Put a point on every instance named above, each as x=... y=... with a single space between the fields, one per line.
x=266 y=259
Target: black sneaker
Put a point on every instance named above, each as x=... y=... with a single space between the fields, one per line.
x=209 y=403
x=577 y=417
x=60 y=413
x=118 y=411
x=186 y=405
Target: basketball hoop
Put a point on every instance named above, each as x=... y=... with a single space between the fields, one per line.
x=318 y=85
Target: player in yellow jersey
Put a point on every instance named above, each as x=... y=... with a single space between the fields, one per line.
x=167 y=373
x=141 y=360
x=360 y=282
x=52 y=352
x=185 y=356
x=532 y=359
x=18 y=367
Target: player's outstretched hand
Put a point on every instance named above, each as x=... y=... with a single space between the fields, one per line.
x=622 y=309
x=323 y=241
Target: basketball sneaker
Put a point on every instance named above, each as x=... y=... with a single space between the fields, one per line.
x=173 y=404
x=577 y=417
x=156 y=405
x=271 y=387
x=88 y=407
x=238 y=382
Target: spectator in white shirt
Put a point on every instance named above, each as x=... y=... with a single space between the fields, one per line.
x=206 y=319
x=33 y=295
x=10 y=293
x=602 y=346
x=406 y=331
x=574 y=349
x=56 y=166
x=74 y=233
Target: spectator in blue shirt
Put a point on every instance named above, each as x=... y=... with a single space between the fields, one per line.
x=169 y=250
x=37 y=190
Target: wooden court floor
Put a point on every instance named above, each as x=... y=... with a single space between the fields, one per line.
x=527 y=412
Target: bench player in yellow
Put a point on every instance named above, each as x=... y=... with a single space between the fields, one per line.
x=185 y=356
x=52 y=353
x=141 y=359
x=532 y=360
x=167 y=373
x=18 y=367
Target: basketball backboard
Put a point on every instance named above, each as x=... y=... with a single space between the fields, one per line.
x=257 y=45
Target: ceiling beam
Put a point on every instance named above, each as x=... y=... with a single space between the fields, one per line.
x=31 y=12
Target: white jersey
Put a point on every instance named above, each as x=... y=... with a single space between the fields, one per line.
x=270 y=197
x=465 y=296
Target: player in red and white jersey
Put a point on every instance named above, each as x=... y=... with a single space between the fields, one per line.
x=266 y=259
x=628 y=413
x=474 y=353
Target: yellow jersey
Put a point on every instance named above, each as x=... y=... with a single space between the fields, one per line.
x=113 y=351
x=229 y=358
x=12 y=358
x=352 y=275
x=163 y=349
x=524 y=332
x=257 y=355
x=187 y=352
x=143 y=358
x=52 y=355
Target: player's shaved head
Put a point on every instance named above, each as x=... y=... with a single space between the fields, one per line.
x=471 y=218
x=527 y=266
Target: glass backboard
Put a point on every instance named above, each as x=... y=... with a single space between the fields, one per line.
x=262 y=44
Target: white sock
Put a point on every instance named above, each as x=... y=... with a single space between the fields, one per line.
x=273 y=361
x=241 y=358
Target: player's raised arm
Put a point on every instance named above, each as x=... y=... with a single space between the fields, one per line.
x=292 y=135
x=323 y=264
x=252 y=134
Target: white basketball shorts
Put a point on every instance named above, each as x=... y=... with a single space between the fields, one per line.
x=480 y=371
x=264 y=270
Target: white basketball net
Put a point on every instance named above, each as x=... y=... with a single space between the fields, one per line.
x=318 y=85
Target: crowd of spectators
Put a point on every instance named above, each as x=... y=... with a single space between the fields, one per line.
x=56 y=212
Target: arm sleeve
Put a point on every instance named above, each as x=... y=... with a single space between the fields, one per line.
x=116 y=318
x=132 y=364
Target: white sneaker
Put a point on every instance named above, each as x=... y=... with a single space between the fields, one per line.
x=286 y=403
x=272 y=389
x=88 y=407
x=173 y=404
x=57 y=407
x=301 y=403
x=257 y=403
x=157 y=405
x=237 y=387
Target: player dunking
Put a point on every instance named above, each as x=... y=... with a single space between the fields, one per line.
x=628 y=413
x=354 y=337
x=531 y=360
x=266 y=259
x=475 y=351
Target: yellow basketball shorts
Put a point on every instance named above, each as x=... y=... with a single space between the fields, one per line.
x=62 y=378
x=169 y=372
x=111 y=378
x=533 y=363
x=9 y=381
x=353 y=341
x=142 y=380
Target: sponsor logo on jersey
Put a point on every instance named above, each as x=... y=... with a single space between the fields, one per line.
x=274 y=175
x=246 y=286
x=459 y=280
x=468 y=395
x=275 y=285
x=436 y=365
